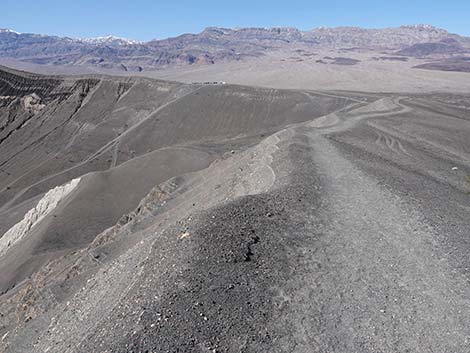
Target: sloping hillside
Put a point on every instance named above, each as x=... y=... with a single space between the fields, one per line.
x=147 y=216
x=121 y=136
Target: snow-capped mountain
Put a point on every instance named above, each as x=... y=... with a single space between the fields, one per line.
x=109 y=40
x=7 y=30
x=216 y=44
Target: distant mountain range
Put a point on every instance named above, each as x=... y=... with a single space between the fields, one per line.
x=220 y=44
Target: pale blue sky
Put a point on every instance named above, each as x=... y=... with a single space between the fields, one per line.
x=146 y=19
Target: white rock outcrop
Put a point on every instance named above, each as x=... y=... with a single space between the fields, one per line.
x=33 y=103
x=35 y=215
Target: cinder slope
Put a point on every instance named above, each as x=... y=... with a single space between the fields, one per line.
x=339 y=225
x=121 y=136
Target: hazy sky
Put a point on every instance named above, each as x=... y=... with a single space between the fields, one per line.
x=146 y=19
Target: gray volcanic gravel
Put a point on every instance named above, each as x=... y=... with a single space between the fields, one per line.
x=333 y=262
x=223 y=286
x=269 y=221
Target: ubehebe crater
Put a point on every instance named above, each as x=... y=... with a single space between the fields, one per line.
x=154 y=216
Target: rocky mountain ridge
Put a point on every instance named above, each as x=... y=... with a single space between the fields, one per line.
x=214 y=44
